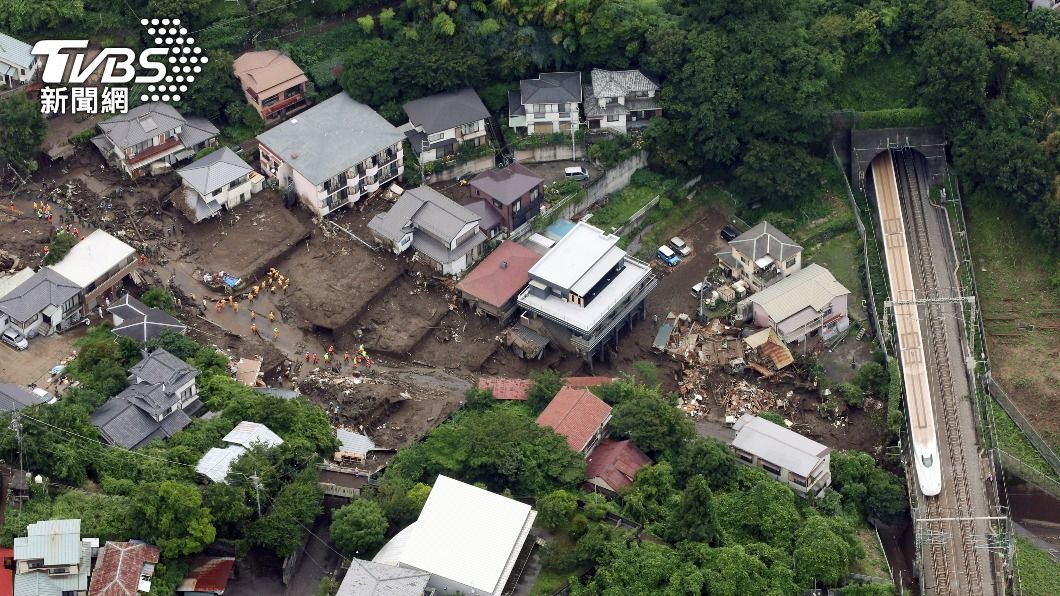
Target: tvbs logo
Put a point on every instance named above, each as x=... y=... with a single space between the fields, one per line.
x=165 y=67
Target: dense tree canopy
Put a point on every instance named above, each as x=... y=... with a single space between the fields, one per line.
x=359 y=528
x=171 y=516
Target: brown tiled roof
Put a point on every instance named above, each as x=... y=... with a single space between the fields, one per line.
x=500 y=276
x=118 y=568
x=586 y=382
x=506 y=388
x=266 y=69
x=208 y=574
x=616 y=463
x=576 y=414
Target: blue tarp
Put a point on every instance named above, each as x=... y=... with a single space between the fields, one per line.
x=231 y=281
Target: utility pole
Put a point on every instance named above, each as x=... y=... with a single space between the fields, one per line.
x=257 y=492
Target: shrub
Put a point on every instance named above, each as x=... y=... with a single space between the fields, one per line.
x=58 y=247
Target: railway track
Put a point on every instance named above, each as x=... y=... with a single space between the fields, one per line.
x=953 y=552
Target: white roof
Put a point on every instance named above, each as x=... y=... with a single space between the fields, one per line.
x=352 y=442
x=587 y=317
x=812 y=286
x=12 y=281
x=92 y=258
x=464 y=534
x=214 y=465
x=15 y=51
x=778 y=445
x=574 y=257
x=247 y=433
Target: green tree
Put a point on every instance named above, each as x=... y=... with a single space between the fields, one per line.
x=176 y=8
x=479 y=399
x=293 y=510
x=738 y=570
x=229 y=507
x=367 y=24
x=418 y=494
x=777 y=172
x=171 y=516
x=821 y=553
x=765 y=512
x=159 y=298
x=873 y=378
x=555 y=509
x=871 y=491
x=214 y=88
x=359 y=528
x=22 y=129
x=773 y=417
x=58 y=247
x=21 y=16
x=501 y=447
x=657 y=427
x=694 y=519
x=544 y=386
x=955 y=63
x=708 y=458
x=368 y=72
x=652 y=496
x=644 y=569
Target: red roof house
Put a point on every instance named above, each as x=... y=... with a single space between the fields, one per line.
x=579 y=416
x=494 y=284
x=506 y=388
x=7 y=577
x=208 y=574
x=121 y=566
x=612 y=466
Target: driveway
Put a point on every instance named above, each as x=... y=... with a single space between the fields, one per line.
x=33 y=364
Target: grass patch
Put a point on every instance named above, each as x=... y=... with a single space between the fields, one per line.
x=1039 y=574
x=1012 y=440
x=643 y=187
x=1012 y=269
x=886 y=82
x=875 y=561
x=666 y=222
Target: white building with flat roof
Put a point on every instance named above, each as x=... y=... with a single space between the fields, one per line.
x=467 y=538
x=584 y=290
x=783 y=454
x=97 y=265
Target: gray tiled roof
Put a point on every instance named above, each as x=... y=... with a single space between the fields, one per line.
x=15 y=397
x=763 y=239
x=197 y=130
x=15 y=51
x=507 y=184
x=142 y=328
x=216 y=170
x=123 y=421
x=619 y=83
x=141 y=123
x=428 y=210
x=444 y=111
x=488 y=214
x=352 y=442
x=164 y=368
x=552 y=87
x=46 y=288
x=127 y=307
x=365 y=578
x=441 y=253
x=330 y=138
x=515 y=105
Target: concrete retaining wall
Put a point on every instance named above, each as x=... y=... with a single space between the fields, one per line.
x=473 y=166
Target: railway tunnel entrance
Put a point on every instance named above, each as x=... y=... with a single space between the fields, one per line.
x=928 y=143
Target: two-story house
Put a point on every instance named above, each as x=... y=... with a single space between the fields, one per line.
x=272 y=83
x=584 y=290
x=761 y=256
x=806 y=304
x=333 y=154
x=578 y=416
x=245 y=435
x=18 y=65
x=513 y=191
x=620 y=100
x=124 y=569
x=159 y=401
x=220 y=180
x=149 y=135
x=439 y=125
x=52 y=559
x=45 y=302
x=445 y=233
x=97 y=264
x=546 y=104
x=785 y=455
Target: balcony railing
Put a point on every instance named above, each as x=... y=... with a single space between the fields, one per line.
x=150 y=152
x=269 y=111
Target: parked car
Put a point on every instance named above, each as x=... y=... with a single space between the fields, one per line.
x=668 y=256
x=576 y=173
x=728 y=233
x=702 y=286
x=680 y=246
x=45 y=397
x=14 y=339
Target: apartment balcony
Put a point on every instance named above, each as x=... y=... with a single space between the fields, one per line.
x=274 y=110
x=765 y=278
x=153 y=152
x=564 y=116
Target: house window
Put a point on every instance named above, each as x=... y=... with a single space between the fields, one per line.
x=434 y=138
x=470 y=127
x=612 y=118
x=517 y=205
x=496 y=203
x=828 y=311
x=535 y=194
x=271 y=100
x=216 y=192
x=790 y=263
x=291 y=92
x=772 y=469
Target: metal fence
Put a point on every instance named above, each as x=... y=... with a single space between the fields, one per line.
x=1021 y=421
x=1018 y=467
